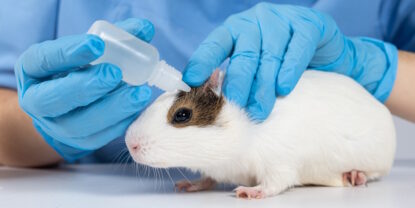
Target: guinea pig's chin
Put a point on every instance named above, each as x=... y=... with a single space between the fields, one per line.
x=153 y=164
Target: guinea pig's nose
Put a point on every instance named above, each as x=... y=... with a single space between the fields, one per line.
x=135 y=147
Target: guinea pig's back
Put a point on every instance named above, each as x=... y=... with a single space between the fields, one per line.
x=329 y=122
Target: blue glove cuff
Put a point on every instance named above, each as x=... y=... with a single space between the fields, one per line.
x=69 y=154
x=370 y=62
x=385 y=85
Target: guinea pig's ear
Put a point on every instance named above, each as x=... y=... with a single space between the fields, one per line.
x=215 y=82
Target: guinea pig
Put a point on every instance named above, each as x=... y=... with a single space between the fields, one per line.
x=328 y=131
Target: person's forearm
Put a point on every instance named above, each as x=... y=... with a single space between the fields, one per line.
x=401 y=101
x=20 y=144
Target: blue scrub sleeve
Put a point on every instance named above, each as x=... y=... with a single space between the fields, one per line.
x=7 y=79
x=23 y=23
x=397 y=23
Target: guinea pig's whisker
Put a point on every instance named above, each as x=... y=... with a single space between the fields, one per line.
x=158 y=182
x=137 y=170
x=117 y=161
x=124 y=160
x=168 y=174
x=148 y=171
x=144 y=168
x=162 y=179
x=157 y=178
x=118 y=156
x=183 y=175
x=153 y=175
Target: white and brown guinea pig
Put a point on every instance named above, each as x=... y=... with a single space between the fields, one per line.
x=328 y=131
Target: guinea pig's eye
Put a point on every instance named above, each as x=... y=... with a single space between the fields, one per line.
x=182 y=115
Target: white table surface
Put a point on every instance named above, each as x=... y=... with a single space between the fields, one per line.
x=119 y=186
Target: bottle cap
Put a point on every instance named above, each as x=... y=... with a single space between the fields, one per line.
x=167 y=78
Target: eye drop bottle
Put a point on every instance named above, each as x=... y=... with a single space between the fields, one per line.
x=138 y=60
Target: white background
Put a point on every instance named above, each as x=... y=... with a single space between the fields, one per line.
x=406 y=141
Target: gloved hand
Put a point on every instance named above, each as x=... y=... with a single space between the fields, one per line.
x=79 y=108
x=271 y=45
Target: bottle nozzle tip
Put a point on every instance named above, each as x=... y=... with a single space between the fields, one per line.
x=168 y=78
x=184 y=87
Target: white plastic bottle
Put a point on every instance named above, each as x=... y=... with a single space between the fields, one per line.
x=138 y=60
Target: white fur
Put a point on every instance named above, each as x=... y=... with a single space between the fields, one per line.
x=326 y=126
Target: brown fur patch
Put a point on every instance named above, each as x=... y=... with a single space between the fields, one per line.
x=203 y=102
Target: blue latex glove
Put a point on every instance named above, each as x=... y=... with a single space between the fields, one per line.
x=79 y=109
x=271 y=45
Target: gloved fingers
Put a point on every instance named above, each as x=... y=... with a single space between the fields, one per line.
x=275 y=37
x=276 y=31
x=101 y=138
x=141 y=28
x=299 y=53
x=107 y=111
x=208 y=56
x=57 y=56
x=56 y=97
x=242 y=67
x=332 y=46
x=262 y=97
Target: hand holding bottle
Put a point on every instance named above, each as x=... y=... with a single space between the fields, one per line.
x=79 y=109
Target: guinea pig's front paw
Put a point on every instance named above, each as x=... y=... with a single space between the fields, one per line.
x=249 y=192
x=193 y=186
